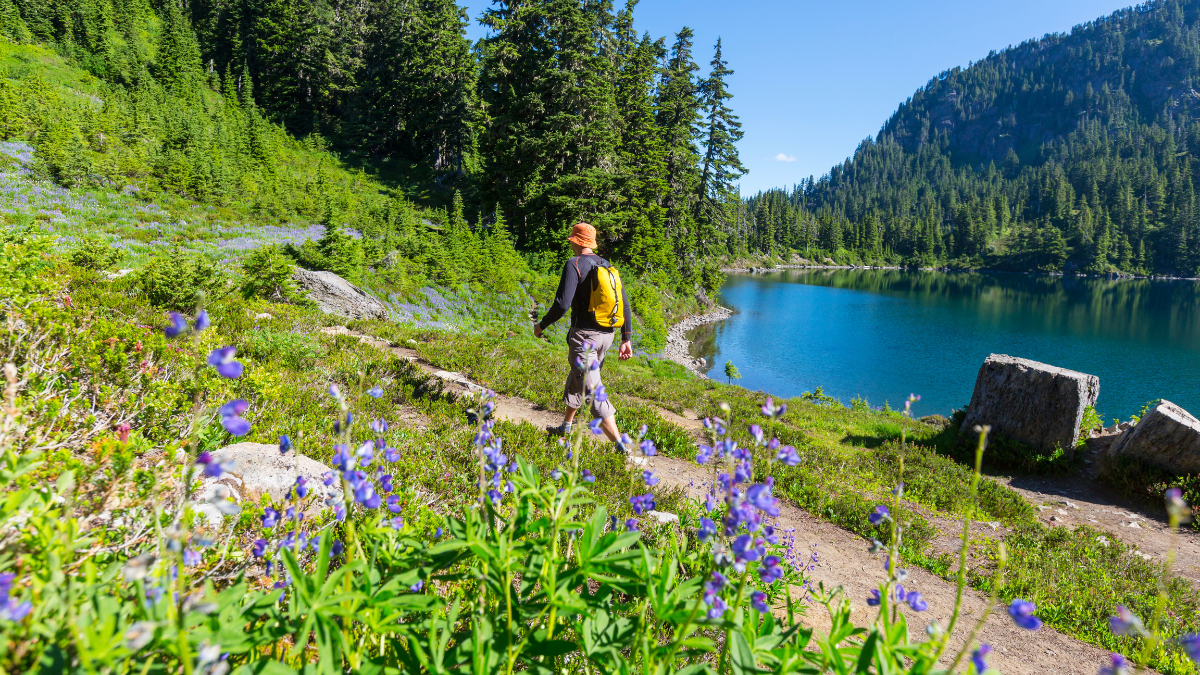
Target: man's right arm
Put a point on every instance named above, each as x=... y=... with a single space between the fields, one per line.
x=562 y=298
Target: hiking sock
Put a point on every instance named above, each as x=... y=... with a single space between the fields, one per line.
x=621 y=447
x=560 y=430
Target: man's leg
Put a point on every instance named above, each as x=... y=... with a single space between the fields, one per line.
x=604 y=409
x=573 y=388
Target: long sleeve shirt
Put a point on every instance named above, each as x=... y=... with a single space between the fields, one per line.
x=574 y=294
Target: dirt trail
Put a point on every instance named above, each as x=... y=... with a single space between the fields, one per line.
x=843 y=557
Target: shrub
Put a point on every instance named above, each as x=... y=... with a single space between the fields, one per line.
x=293 y=350
x=647 y=305
x=94 y=253
x=181 y=281
x=268 y=275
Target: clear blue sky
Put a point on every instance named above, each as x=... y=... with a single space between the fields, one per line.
x=812 y=79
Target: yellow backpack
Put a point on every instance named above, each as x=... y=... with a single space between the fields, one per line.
x=606 y=295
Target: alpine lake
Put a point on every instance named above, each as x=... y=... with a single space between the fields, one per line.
x=879 y=335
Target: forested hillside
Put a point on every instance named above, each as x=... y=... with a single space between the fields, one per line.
x=564 y=112
x=1075 y=152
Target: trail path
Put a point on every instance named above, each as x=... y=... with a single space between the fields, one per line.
x=843 y=557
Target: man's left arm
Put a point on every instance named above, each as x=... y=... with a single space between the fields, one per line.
x=626 y=350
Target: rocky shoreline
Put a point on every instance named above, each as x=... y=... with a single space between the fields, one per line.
x=1115 y=276
x=678 y=345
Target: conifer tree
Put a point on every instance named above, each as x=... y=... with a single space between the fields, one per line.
x=721 y=165
x=177 y=55
x=678 y=115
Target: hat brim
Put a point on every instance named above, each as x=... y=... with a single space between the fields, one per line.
x=586 y=243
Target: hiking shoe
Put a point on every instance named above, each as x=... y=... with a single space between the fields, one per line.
x=559 y=430
x=622 y=447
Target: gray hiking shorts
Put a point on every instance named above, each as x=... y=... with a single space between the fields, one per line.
x=573 y=393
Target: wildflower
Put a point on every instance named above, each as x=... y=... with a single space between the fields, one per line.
x=556 y=474
x=642 y=503
x=379 y=426
x=1176 y=506
x=716 y=606
x=916 y=602
x=202 y=320
x=123 y=432
x=769 y=409
x=587 y=476
x=259 y=548
x=375 y=392
x=879 y=515
x=600 y=395
x=177 y=327
x=293 y=514
x=391 y=455
x=631 y=525
x=756 y=433
x=642 y=430
x=385 y=482
x=760 y=496
x=978 y=659
x=396 y=523
x=285 y=444
x=707 y=529
x=212 y=466
x=758 y=600
x=365 y=495
x=745 y=549
x=231 y=417
x=875 y=598
x=1021 y=612
x=191 y=557
x=342 y=459
x=647 y=448
x=1191 y=646
x=366 y=453
x=900 y=594
x=393 y=504
x=788 y=455
x=770 y=571
x=327 y=478
x=649 y=478
x=335 y=391
x=704 y=455
x=222 y=360
x=1126 y=623
x=336 y=548
x=595 y=426
x=269 y=518
x=1120 y=666
x=301 y=487
x=710 y=502
x=437 y=534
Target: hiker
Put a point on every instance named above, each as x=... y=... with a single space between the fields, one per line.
x=591 y=288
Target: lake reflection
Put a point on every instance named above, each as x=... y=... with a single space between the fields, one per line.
x=881 y=334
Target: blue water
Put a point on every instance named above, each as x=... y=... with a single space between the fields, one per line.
x=882 y=334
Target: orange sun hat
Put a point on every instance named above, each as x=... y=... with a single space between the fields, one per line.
x=584 y=235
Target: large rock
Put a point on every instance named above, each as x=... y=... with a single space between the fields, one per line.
x=335 y=295
x=1033 y=403
x=259 y=469
x=1167 y=436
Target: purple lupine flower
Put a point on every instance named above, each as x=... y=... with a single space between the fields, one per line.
x=875 y=598
x=600 y=394
x=916 y=602
x=788 y=456
x=391 y=455
x=366 y=453
x=328 y=477
x=342 y=458
x=222 y=360
x=758 y=600
x=1021 y=612
x=285 y=444
x=704 y=455
x=586 y=476
x=437 y=534
x=631 y=525
x=301 y=487
x=269 y=518
x=745 y=549
x=202 y=320
x=880 y=514
x=365 y=495
x=594 y=425
x=770 y=571
x=760 y=496
x=1191 y=646
x=336 y=548
x=259 y=549
x=191 y=557
x=396 y=523
x=707 y=529
x=14 y=610
x=379 y=426
x=231 y=417
x=1120 y=666
x=649 y=478
x=335 y=391
x=978 y=659
x=899 y=593
x=756 y=432
x=375 y=392
x=770 y=536
x=642 y=503
x=177 y=327
x=647 y=448
x=710 y=502
x=716 y=606
x=416 y=588
x=293 y=514
x=393 y=504
x=1126 y=623
x=385 y=482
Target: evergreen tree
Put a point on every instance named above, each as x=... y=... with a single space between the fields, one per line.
x=679 y=116
x=721 y=165
x=177 y=55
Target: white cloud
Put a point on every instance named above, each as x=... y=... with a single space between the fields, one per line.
x=784 y=158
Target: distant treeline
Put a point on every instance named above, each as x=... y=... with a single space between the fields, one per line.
x=1072 y=152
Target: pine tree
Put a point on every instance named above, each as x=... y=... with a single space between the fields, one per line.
x=721 y=165
x=679 y=116
x=177 y=55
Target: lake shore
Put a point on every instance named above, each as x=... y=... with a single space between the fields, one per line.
x=678 y=347
x=1112 y=275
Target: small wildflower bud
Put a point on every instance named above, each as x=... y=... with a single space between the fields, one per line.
x=875 y=598
x=978 y=659
x=898 y=490
x=725 y=408
x=595 y=426
x=1021 y=612
x=1191 y=646
x=123 y=433
x=1176 y=506
x=178 y=325
x=916 y=602
x=202 y=320
x=335 y=391
x=416 y=588
x=934 y=629
x=1120 y=665
x=879 y=515
x=1126 y=623
x=222 y=360
x=375 y=392
x=285 y=444
x=876 y=546
x=758 y=600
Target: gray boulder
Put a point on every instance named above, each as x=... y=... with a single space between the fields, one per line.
x=1033 y=403
x=259 y=469
x=1167 y=436
x=335 y=295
